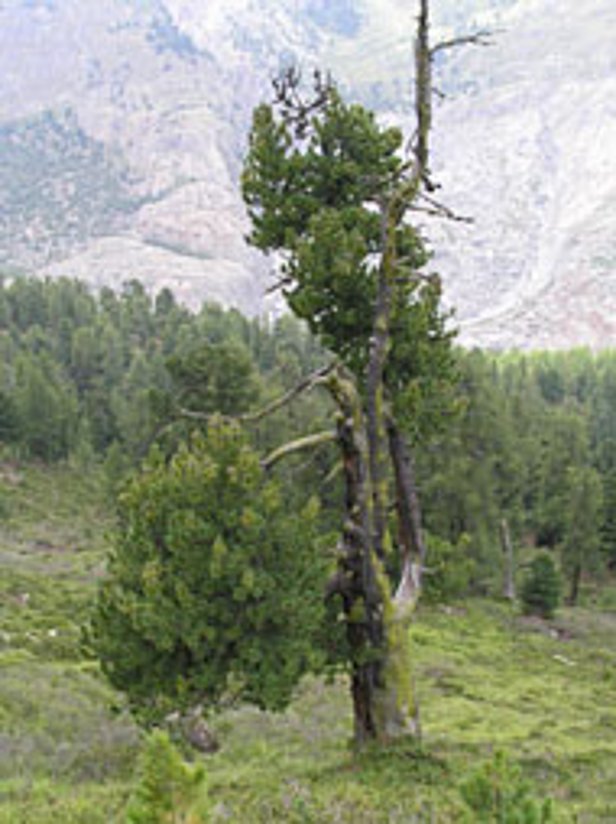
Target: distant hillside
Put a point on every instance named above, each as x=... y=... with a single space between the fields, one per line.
x=60 y=188
x=122 y=127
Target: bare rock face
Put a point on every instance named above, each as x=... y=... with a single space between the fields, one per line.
x=528 y=151
x=123 y=124
x=121 y=141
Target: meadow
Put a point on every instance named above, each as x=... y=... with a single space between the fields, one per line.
x=523 y=705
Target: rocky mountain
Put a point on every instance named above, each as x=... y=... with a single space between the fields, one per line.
x=123 y=124
x=529 y=151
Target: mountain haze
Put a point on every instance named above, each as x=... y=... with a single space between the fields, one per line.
x=123 y=124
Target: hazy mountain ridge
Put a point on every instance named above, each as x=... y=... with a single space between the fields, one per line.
x=522 y=143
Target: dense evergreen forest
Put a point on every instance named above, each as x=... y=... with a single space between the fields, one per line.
x=530 y=447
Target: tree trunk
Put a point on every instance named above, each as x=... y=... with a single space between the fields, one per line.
x=377 y=623
x=377 y=631
x=410 y=536
x=509 y=576
x=576 y=577
x=360 y=594
x=423 y=94
x=375 y=390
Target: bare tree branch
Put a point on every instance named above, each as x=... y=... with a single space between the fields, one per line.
x=424 y=87
x=423 y=95
x=280 y=284
x=193 y=415
x=297 y=111
x=307 y=442
x=479 y=38
x=437 y=209
x=308 y=383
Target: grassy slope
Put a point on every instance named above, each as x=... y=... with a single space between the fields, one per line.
x=487 y=678
x=60 y=741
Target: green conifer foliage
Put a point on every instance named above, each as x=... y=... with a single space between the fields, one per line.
x=45 y=407
x=497 y=792
x=167 y=788
x=582 y=540
x=608 y=524
x=213 y=585
x=315 y=195
x=542 y=587
x=213 y=378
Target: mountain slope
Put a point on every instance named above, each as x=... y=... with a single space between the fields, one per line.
x=528 y=152
x=157 y=107
x=153 y=101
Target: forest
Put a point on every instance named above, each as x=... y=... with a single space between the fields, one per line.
x=94 y=385
x=102 y=379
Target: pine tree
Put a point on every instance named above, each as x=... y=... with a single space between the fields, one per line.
x=327 y=187
x=214 y=588
x=167 y=789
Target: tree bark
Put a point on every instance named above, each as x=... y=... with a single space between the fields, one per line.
x=375 y=390
x=410 y=535
x=576 y=578
x=509 y=576
x=423 y=94
x=361 y=596
x=377 y=630
x=298 y=445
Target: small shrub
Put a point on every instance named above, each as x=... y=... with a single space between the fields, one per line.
x=167 y=789
x=542 y=587
x=450 y=570
x=496 y=792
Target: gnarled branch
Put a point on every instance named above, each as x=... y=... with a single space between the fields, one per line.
x=297 y=111
x=305 y=385
x=437 y=209
x=298 y=445
x=309 y=382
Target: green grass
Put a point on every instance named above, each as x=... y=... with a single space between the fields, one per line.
x=53 y=532
x=488 y=679
x=61 y=741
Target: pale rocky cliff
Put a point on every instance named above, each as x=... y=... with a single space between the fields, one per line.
x=123 y=122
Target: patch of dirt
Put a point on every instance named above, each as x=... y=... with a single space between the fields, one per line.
x=45 y=546
x=533 y=623
x=10 y=476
